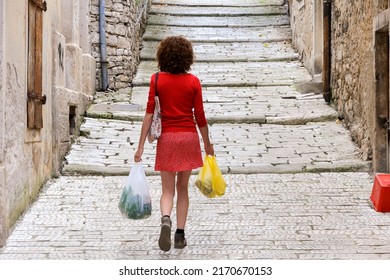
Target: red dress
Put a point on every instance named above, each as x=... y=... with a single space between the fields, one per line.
x=181 y=102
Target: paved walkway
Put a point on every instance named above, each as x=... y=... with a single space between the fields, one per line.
x=297 y=187
x=262 y=216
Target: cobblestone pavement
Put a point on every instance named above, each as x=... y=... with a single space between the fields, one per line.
x=262 y=216
x=240 y=148
x=297 y=185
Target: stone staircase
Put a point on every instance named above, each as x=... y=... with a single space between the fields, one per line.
x=261 y=120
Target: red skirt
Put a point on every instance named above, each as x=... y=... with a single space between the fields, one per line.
x=178 y=151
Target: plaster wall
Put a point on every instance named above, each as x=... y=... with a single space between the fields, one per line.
x=21 y=149
x=29 y=157
x=3 y=230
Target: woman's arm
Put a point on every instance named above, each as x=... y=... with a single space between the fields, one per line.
x=208 y=147
x=147 y=122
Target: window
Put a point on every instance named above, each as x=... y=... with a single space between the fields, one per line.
x=72 y=120
x=35 y=99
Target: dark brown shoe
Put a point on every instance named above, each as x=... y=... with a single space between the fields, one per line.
x=180 y=241
x=164 y=241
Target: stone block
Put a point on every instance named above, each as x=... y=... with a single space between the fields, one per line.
x=62 y=128
x=85 y=43
x=73 y=66
x=112 y=41
x=59 y=59
x=309 y=87
x=64 y=98
x=118 y=7
x=61 y=101
x=89 y=72
x=62 y=141
x=123 y=43
x=71 y=21
x=120 y=29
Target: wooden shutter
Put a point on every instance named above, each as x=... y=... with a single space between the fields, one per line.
x=35 y=99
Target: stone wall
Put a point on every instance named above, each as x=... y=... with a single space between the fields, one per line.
x=352 y=79
x=352 y=58
x=301 y=18
x=125 y=23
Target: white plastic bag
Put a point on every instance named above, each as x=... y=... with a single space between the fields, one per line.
x=135 y=201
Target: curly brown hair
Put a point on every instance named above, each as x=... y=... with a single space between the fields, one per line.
x=175 y=55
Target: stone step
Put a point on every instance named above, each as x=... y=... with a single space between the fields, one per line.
x=236 y=112
x=259 y=122
x=220 y=3
x=108 y=147
x=217 y=11
x=277 y=105
x=231 y=52
x=218 y=94
x=212 y=21
x=236 y=74
x=222 y=34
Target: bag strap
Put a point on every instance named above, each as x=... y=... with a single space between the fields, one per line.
x=155 y=85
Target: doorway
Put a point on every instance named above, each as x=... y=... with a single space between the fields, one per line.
x=381 y=65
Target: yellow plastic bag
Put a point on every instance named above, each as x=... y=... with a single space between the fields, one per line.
x=210 y=181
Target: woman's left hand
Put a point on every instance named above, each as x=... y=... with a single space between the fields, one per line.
x=209 y=149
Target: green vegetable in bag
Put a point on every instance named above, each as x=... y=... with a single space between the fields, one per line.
x=135 y=201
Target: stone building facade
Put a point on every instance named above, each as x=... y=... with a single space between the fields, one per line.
x=125 y=22
x=302 y=17
x=358 y=65
x=47 y=79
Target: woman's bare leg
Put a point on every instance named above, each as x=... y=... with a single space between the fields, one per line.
x=182 y=202
x=166 y=205
x=168 y=192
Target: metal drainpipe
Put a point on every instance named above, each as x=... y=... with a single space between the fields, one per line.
x=327 y=7
x=103 y=45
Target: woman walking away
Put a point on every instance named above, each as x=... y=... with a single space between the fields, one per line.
x=178 y=149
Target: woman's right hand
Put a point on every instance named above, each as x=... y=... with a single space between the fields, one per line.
x=138 y=155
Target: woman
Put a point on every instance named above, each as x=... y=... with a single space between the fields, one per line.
x=178 y=148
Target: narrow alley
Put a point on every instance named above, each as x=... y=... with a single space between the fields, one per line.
x=297 y=187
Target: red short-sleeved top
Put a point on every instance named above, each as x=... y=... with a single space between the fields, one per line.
x=181 y=102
